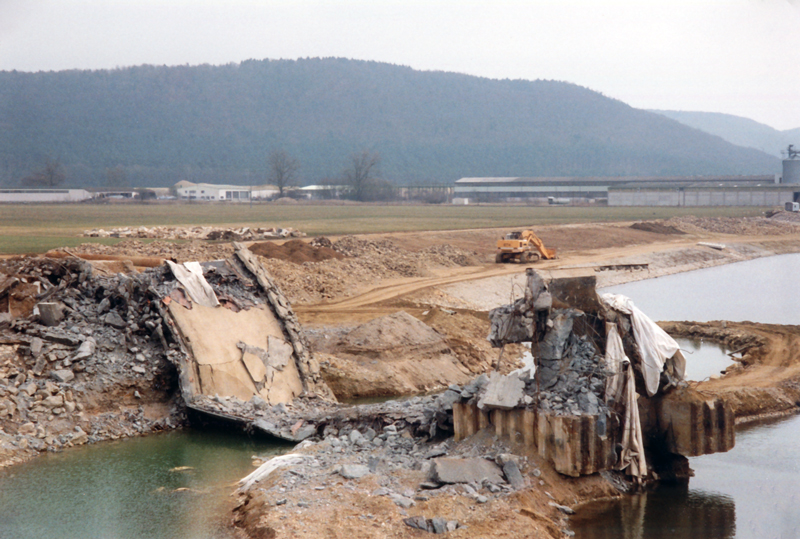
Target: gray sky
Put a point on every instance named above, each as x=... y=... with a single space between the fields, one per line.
x=735 y=56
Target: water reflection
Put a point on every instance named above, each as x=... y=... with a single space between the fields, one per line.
x=704 y=359
x=673 y=512
x=754 y=290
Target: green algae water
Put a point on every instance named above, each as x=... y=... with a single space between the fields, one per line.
x=169 y=486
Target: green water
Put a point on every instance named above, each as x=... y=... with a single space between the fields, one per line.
x=129 y=489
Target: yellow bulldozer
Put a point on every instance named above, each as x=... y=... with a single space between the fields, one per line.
x=523 y=247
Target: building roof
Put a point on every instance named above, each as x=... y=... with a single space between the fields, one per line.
x=611 y=179
x=742 y=184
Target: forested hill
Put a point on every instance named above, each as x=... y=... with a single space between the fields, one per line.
x=737 y=130
x=151 y=126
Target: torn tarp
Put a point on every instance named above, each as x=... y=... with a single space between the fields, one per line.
x=621 y=393
x=190 y=275
x=655 y=346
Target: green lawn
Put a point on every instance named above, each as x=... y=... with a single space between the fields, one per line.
x=37 y=228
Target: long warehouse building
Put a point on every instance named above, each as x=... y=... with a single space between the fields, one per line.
x=763 y=190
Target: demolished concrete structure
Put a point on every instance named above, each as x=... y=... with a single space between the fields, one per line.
x=607 y=387
x=247 y=344
x=138 y=351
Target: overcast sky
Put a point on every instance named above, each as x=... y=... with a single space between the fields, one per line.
x=735 y=56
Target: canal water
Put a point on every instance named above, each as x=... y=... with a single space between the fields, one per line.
x=176 y=485
x=753 y=491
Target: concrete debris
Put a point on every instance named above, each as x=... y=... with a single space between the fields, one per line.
x=64 y=364
x=196 y=233
x=436 y=525
x=563 y=508
x=513 y=475
x=450 y=470
x=502 y=392
x=353 y=471
x=50 y=314
x=594 y=358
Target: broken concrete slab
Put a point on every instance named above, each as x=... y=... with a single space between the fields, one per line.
x=213 y=336
x=513 y=474
x=114 y=320
x=502 y=392
x=85 y=350
x=50 y=313
x=190 y=275
x=453 y=470
x=36 y=346
x=353 y=471
x=61 y=337
x=62 y=375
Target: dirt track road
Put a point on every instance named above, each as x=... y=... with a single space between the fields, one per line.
x=397 y=288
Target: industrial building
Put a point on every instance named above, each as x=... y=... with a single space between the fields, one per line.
x=43 y=195
x=233 y=193
x=762 y=190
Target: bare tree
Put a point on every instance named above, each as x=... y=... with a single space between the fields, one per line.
x=361 y=173
x=52 y=175
x=283 y=170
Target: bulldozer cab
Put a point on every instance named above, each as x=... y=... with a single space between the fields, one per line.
x=514 y=236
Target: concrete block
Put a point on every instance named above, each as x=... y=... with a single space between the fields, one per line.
x=502 y=392
x=453 y=470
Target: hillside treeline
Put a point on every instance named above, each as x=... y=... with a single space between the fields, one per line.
x=154 y=126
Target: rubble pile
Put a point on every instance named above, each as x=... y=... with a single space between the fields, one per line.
x=388 y=462
x=578 y=390
x=87 y=358
x=743 y=226
x=196 y=233
x=180 y=252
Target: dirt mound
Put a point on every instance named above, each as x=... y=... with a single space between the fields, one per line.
x=743 y=226
x=395 y=354
x=396 y=330
x=296 y=251
x=786 y=216
x=656 y=227
x=365 y=262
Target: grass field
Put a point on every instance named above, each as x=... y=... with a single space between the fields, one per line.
x=37 y=228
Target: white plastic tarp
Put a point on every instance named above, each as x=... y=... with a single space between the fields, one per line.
x=190 y=275
x=655 y=345
x=632 y=456
x=621 y=387
x=615 y=358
